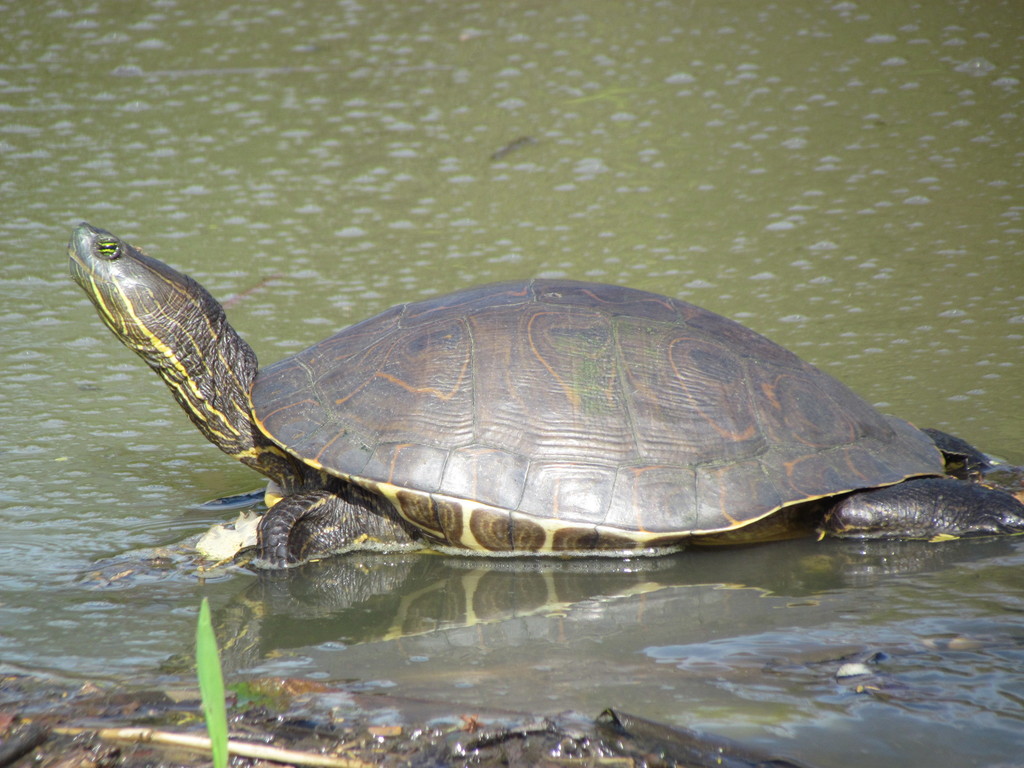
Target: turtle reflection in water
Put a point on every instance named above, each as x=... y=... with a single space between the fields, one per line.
x=546 y=416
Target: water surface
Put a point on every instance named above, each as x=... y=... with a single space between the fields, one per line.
x=843 y=177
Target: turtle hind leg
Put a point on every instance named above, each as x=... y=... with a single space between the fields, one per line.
x=315 y=524
x=925 y=508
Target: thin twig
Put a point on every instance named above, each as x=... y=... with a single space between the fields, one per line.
x=202 y=744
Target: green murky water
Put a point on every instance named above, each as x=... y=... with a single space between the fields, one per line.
x=844 y=177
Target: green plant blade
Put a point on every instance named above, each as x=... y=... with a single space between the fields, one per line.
x=211 y=686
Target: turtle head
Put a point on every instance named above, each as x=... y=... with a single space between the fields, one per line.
x=182 y=333
x=161 y=314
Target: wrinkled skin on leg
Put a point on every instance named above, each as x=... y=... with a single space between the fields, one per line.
x=314 y=524
x=924 y=508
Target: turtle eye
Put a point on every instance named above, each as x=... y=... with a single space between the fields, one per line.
x=108 y=248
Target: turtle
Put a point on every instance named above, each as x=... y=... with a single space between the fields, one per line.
x=543 y=416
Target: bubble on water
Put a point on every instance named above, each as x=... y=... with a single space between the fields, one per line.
x=823 y=245
x=589 y=166
x=976 y=67
x=680 y=77
x=350 y=232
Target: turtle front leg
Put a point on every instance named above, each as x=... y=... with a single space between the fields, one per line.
x=925 y=508
x=292 y=530
x=315 y=524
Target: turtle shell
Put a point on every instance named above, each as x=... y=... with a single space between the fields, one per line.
x=561 y=415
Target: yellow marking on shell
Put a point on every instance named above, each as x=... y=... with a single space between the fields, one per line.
x=644 y=540
x=570 y=394
x=550 y=526
x=434 y=391
x=390 y=492
x=469 y=539
x=681 y=381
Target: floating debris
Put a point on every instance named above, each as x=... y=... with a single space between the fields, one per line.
x=513 y=146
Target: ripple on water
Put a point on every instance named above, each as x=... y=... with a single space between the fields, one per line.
x=863 y=160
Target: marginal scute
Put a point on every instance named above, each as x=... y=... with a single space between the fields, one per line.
x=527 y=535
x=722 y=488
x=573 y=492
x=391 y=461
x=606 y=540
x=635 y=487
x=451 y=517
x=574 y=539
x=419 y=509
x=488 y=475
x=491 y=530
